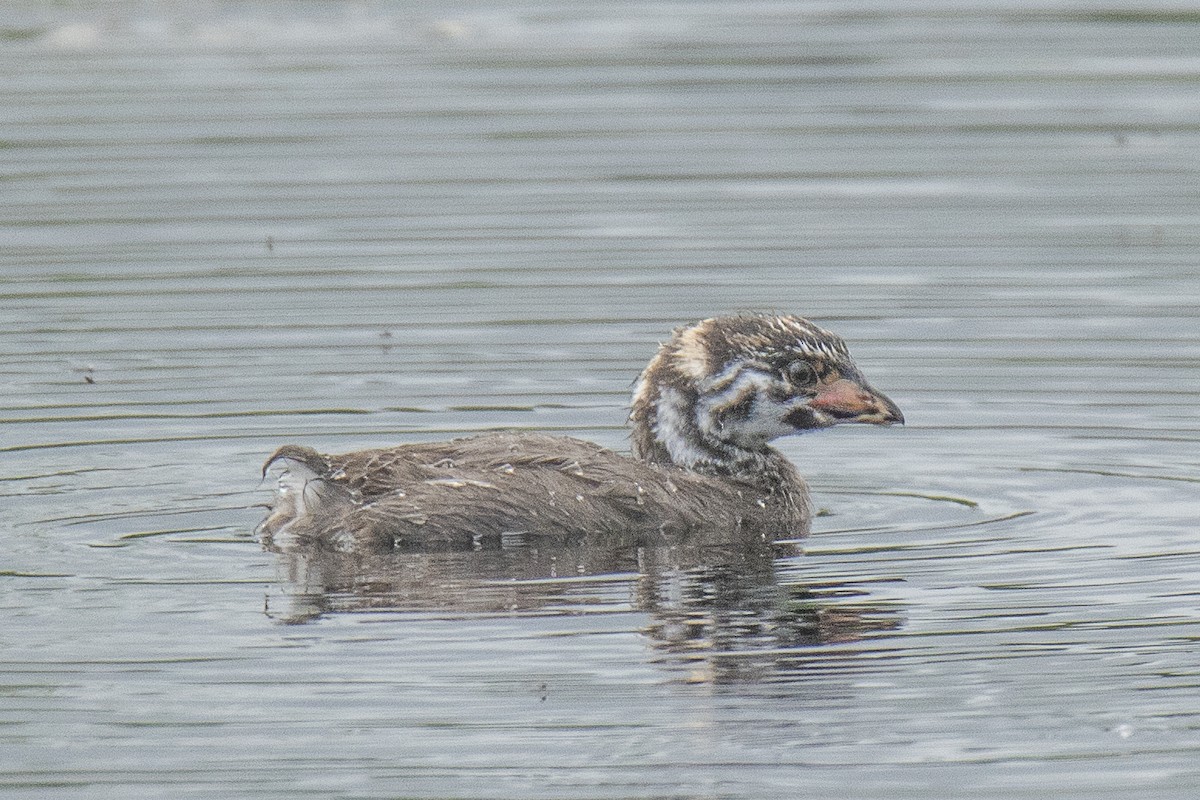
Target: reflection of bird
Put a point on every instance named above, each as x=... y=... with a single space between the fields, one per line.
x=704 y=411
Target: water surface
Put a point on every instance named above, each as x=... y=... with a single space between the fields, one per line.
x=228 y=226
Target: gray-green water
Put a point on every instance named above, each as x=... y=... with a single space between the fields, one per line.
x=224 y=226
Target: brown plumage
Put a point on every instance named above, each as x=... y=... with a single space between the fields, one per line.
x=703 y=413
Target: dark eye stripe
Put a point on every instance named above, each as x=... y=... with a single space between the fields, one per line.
x=737 y=406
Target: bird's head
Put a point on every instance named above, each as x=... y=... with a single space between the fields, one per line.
x=721 y=389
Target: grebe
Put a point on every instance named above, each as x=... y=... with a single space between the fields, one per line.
x=703 y=413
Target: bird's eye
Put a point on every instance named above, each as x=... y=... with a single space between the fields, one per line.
x=800 y=373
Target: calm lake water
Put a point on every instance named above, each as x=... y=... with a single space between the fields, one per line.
x=226 y=226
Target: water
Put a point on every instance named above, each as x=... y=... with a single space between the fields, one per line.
x=228 y=226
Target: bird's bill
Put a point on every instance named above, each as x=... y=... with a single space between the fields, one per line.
x=848 y=401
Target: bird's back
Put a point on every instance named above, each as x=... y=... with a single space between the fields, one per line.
x=481 y=488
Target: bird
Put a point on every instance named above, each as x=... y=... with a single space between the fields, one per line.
x=703 y=414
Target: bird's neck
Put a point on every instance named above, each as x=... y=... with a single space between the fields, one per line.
x=665 y=431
